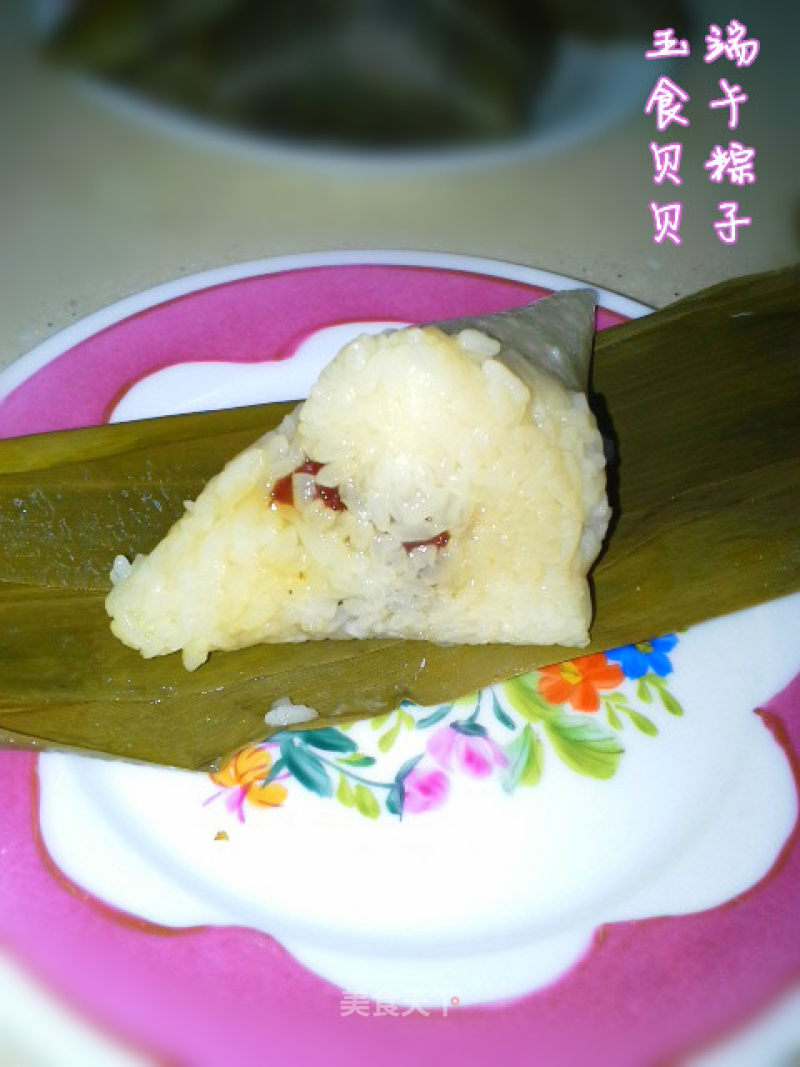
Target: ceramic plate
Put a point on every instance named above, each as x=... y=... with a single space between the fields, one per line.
x=585 y=861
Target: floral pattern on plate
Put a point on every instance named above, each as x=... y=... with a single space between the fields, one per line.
x=575 y=711
x=193 y=977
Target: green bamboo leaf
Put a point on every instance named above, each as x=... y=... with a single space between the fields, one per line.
x=358 y=759
x=466 y=702
x=308 y=770
x=329 y=739
x=65 y=681
x=523 y=698
x=365 y=802
x=344 y=794
x=380 y=720
x=583 y=745
x=641 y=722
x=642 y=690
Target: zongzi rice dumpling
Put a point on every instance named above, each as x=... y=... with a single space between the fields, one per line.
x=427 y=489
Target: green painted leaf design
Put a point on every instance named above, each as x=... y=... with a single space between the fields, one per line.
x=669 y=702
x=395 y=799
x=406 y=720
x=434 y=717
x=532 y=771
x=517 y=753
x=525 y=760
x=469 y=728
x=344 y=794
x=408 y=766
x=618 y=701
x=357 y=759
x=365 y=802
x=276 y=768
x=385 y=741
x=380 y=720
x=502 y=716
x=521 y=694
x=328 y=739
x=584 y=745
x=308 y=770
x=641 y=722
x=614 y=720
x=643 y=691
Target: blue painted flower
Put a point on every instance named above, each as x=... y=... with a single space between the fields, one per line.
x=637 y=660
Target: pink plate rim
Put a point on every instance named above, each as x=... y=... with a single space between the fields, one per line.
x=45 y=920
x=70 y=336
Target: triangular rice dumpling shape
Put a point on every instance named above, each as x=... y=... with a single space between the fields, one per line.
x=442 y=483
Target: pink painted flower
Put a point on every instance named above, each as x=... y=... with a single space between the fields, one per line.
x=474 y=753
x=424 y=790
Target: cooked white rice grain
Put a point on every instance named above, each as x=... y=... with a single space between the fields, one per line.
x=470 y=508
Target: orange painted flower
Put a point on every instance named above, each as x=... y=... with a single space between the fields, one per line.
x=243 y=775
x=578 y=681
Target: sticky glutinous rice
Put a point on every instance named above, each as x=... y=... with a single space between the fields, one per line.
x=422 y=491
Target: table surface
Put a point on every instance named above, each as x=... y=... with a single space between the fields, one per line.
x=97 y=206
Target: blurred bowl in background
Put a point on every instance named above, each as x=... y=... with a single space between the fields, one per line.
x=364 y=82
